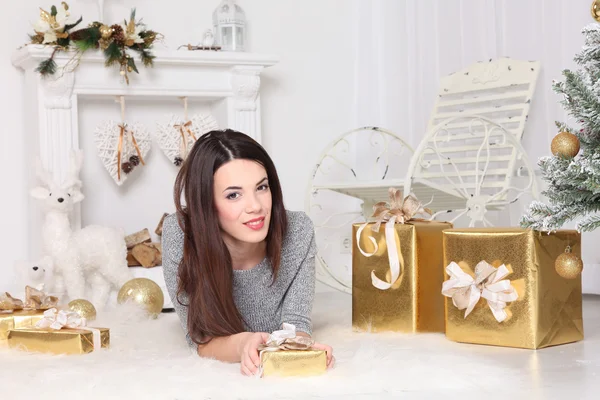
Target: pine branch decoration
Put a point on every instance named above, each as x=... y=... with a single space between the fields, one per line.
x=115 y=41
x=47 y=67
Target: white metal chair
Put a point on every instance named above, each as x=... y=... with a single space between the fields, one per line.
x=469 y=162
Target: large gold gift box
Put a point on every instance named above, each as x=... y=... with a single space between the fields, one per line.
x=18 y=319
x=61 y=341
x=547 y=310
x=413 y=303
x=293 y=362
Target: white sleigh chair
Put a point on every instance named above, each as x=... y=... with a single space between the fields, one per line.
x=470 y=166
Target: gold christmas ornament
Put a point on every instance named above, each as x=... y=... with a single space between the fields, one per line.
x=106 y=31
x=565 y=144
x=145 y=293
x=83 y=308
x=568 y=265
x=596 y=10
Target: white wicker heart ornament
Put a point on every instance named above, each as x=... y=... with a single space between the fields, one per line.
x=177 y=137
x=127 y=143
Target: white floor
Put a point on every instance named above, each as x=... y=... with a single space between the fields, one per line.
x=148 y=359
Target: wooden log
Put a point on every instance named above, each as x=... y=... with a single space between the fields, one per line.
x=158 y=229
x=142 y=236
x=131 y=261
x=148 y=254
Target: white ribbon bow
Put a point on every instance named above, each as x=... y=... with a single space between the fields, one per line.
x=394 y=256
x=54 y=319
x=284 y=339
x=488 y=283
x=278 y=337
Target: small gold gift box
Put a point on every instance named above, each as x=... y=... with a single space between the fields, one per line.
x=286 y=354
x=503 y=288
x=62 y=341
x=397 y=269
x=293 y=362
x=59 y=332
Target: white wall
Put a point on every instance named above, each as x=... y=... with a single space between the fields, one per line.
x=344 y=63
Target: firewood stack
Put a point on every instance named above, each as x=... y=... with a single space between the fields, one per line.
x=141 y=251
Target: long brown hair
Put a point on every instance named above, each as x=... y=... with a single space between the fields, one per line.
x=206 y=272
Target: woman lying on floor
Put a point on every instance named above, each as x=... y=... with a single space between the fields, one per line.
x=237 y=264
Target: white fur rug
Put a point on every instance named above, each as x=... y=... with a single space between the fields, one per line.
x=148 y=359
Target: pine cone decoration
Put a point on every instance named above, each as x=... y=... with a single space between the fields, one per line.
x=118 y=34
x=126 y=167
x=78 y=35
x=134 y=160
x=178 y=161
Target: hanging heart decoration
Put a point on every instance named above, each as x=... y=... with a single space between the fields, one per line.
x=177 y=137
x=122 y=147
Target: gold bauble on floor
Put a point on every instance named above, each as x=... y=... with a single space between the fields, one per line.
x=143 y=292
x=84 y=308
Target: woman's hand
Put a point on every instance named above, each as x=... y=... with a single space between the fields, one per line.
x=249 y=358
x=328 y=350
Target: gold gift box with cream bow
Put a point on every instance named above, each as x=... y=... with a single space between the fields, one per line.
x=286 y=354
x=502 y=287
x=397 y=269
x=59 y=332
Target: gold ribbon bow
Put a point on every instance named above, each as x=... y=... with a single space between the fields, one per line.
x=34 y=300
x=123 y=129
x=400 y=211
x=488 y=283
x=403 y=209
x=9 y=303
x=38 y=300
x=184 y=144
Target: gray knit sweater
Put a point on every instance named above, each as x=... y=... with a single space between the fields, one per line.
x=263 y=307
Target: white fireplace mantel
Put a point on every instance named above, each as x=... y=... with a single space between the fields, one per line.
x=230 y=81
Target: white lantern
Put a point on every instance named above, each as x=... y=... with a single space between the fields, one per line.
x=229 y=22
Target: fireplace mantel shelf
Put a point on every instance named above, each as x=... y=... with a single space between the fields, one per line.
x=204 y=74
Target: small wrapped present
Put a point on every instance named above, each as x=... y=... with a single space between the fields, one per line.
x=59 y=332
x=396 y=274
x=503 y=288
x=286 y=354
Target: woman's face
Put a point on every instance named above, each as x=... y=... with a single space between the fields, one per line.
x=243 y=200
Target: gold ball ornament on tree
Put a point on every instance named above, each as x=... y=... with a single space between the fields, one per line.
x=143 y=292
x=568 y=265
x=565 y=144
x=596 y=10
x=84 y=308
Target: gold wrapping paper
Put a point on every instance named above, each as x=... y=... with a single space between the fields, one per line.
x=18 y=319
x=414 y=302
x=293 y=362
x=548 y=310
x=62 y=341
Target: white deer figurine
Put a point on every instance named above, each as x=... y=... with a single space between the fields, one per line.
x=94 y=254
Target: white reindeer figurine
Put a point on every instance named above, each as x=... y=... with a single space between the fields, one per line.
x=96 y=254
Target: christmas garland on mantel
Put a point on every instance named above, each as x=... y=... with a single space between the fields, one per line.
x=54 y=29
